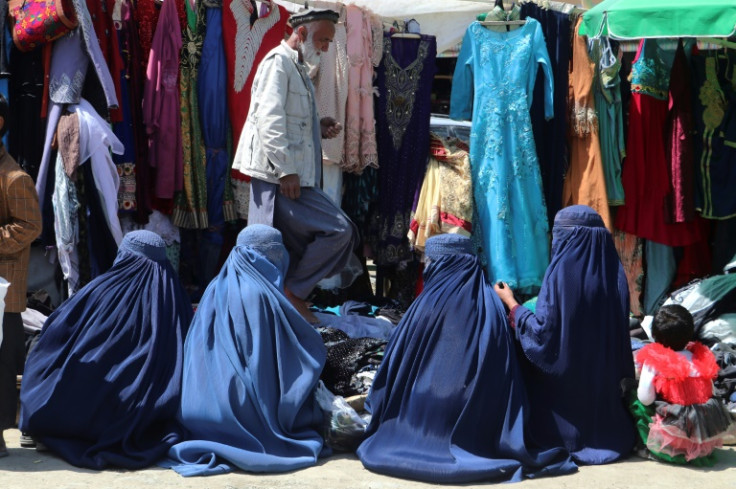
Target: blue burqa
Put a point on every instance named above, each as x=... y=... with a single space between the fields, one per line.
x=577 y=343
x=448 y=401
x=251 y=366
x=101 y=388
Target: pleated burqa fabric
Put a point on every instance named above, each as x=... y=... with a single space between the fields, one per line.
x=251 y=366
x=101 y=388
x=448 y=402
x=577 y=343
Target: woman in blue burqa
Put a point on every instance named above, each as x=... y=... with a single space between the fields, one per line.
x=251 y=366
x=448 y=403
x=101 y=388
x=577 y=342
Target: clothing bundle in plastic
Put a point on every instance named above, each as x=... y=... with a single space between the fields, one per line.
x=448 y=402
x=251 y=366
x=101 y=388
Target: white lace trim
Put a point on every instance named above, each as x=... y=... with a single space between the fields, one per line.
x=249 y=39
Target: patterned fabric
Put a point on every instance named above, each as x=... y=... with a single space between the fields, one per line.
x=66 y=225
x=715 y=124
x=20 y=224
x=245 y=47
x=493 y=82
x=190 y=206
x=649 y=75
x=445 y=202
x=134 y=176
x=405 y=82
x=585 y=182
x=67 y=134
x=360 y=132
x=40 y=21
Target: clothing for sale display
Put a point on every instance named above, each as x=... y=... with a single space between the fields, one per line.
x=102 y=21
x=715 y=122
x=402 y=127
x=71 y=57
x=190 y=205
x=211 y=84
x=246 y=44
x=585 y=182
x=646 y=177
x=133 y=195
x=493 y=86
x=364 y=40
x=95 y=140
x=679 y=145
x=608 y=108
x=331 y=94
x=125 y=129
x=551 y=135
x=445 y=203
x=161 y=110
x=25 y=92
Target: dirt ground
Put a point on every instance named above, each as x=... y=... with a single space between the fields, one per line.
x=29 y=469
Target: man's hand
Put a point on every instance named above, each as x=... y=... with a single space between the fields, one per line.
x=290 y=186
x=330 y=127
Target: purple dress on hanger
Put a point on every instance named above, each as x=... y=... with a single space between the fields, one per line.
x=404 y=81
x=161 y=110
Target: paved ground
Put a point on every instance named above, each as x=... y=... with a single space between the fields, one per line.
x=28 y=469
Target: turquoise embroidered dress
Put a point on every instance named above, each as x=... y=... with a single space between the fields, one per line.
x=494 y=82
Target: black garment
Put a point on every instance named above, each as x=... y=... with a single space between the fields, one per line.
x=12 y=358
x=551 y=136
x=26 y=129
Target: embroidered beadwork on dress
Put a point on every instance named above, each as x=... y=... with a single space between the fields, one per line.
x=510 y=218
x=248 y=39
x=584 y=120
x=712 y=97
x=649 y=74
x=401 y=85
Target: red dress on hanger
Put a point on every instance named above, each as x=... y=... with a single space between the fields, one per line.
x=245 y=46
x=646 y=177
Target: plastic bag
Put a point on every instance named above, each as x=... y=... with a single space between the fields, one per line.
x=343 y=428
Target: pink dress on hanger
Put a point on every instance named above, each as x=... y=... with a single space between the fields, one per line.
x=360 y=132
x=161 y=111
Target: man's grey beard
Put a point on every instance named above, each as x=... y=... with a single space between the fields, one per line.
x=310 y=55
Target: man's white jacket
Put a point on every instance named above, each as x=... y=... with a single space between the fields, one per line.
x=277 y=135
